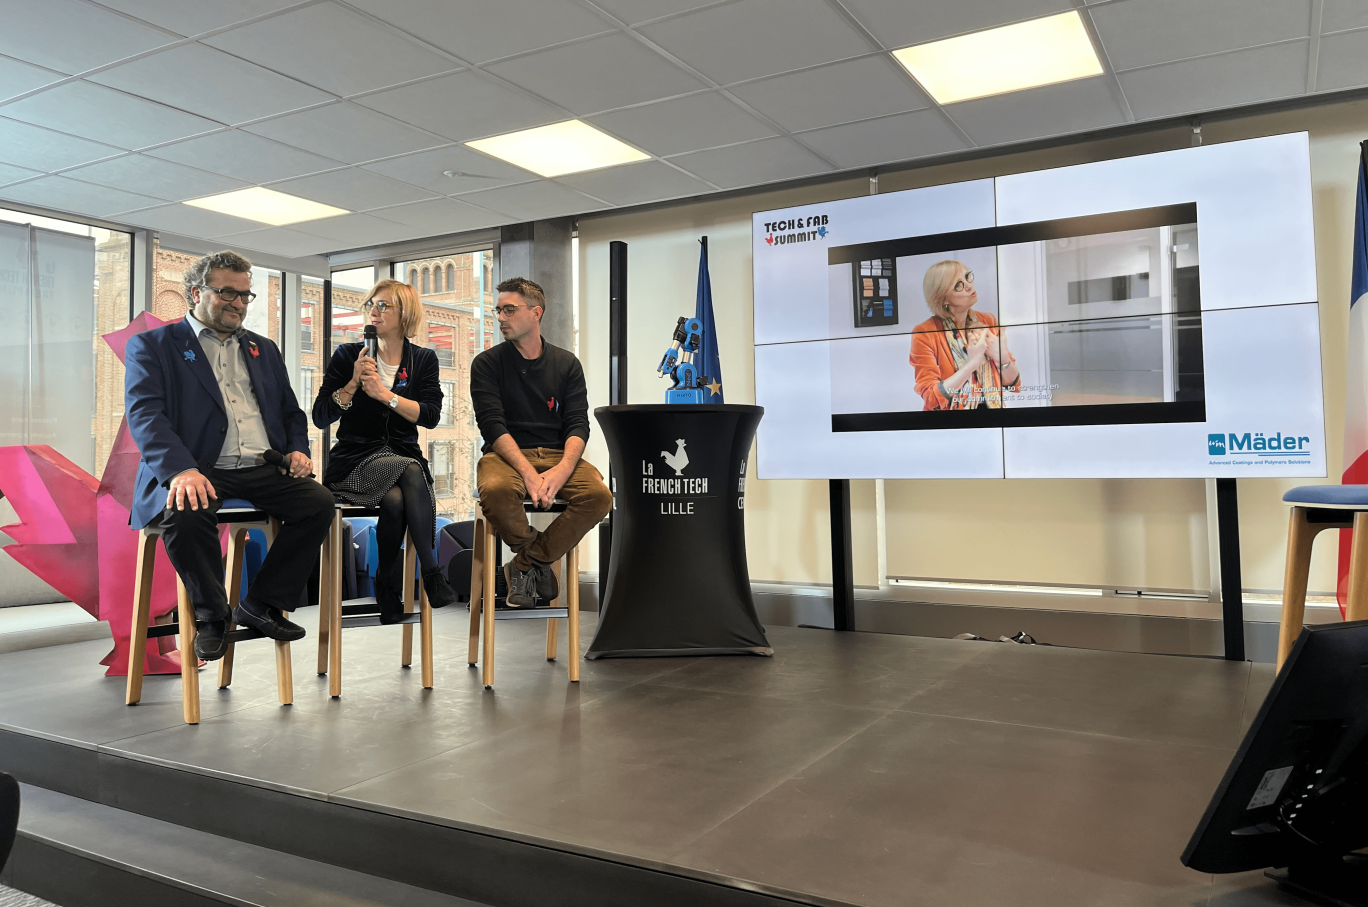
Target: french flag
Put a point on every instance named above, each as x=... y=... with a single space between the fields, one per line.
x=1356 y=393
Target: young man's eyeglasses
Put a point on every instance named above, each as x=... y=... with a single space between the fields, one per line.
x=228 y=294
x=381 y=307
x=508 y=310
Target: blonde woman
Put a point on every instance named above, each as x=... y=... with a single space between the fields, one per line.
x=376 y=462
x=959 y=358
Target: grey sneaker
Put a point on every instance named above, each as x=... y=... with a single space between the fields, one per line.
x=546 y=587
x=521 y=586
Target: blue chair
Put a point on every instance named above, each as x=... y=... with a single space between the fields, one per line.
x=241 y=517
x=1316 y=508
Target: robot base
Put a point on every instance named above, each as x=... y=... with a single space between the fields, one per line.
x=684 y=395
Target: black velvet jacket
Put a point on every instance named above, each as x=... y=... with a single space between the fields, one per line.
x=369 y=423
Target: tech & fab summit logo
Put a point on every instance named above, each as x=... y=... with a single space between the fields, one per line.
x=799 y=229
x=1236 y=448
x=679 y=486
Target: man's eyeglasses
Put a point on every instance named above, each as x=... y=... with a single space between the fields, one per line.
x=381 y=307
x=508 y=310
x=228 y=294
x=965 y=282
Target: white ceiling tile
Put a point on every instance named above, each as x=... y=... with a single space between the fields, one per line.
x=155 y=177
x=354 y=230
x=244 y=156
x=839 y=93
x=211 y=83
x=72 y=197
x=1212 y=83
x=1343 y=61
x=463 y=106
x=440 y=215
x=347 y=132
x=105 y=115
x=43 y=149
x=598 y=74
x=10 y=174
x=902 y=137
x=428 y=169
x=685 y=124
x=765 y=161
x=753 y=38
x=1145 y=32
x=636 y=11
x=17 y=77
x=188 y=221
x=1039 y=112
x=194 y=17
x=332 y=48
x=1338 y=15
x=71 y=36
x=898 y=23
x=533 y=201
x=488 y=31
x=353 y=189
x=279 y=241
x=637 y=184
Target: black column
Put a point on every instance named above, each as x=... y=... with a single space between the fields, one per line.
x=1232 y=585
x=325 y=442
x=617 y=383
x=842 y=558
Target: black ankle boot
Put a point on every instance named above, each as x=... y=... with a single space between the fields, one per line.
x=387 y=594
x=439 y=591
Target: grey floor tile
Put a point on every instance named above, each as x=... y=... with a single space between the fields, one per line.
x=639 y=771
x=1154 y=697
x=930 y=810
x=1250 y=889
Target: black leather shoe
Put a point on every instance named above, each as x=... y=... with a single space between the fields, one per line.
x=439 y=591
x=267 y=621
x=210 y=644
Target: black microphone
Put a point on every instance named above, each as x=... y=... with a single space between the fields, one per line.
x=372 y=342
x=277 y=459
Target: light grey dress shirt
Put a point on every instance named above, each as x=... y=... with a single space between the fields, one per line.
x=246 y=438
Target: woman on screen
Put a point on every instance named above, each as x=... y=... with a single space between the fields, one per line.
x=959 y=358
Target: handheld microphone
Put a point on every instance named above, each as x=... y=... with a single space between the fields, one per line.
x=372 y=342
x=277 y=459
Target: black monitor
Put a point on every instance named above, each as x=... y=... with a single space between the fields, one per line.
x=1296 y=794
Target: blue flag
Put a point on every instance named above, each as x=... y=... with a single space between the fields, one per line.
x=709 y=364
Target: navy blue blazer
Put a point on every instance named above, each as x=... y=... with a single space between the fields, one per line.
x=175 y=411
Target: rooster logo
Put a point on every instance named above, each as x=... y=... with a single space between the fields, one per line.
x=677 y=460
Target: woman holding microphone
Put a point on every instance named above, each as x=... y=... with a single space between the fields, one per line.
x=380 y=401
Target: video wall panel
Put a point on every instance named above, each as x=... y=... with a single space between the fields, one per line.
x=1093 y=342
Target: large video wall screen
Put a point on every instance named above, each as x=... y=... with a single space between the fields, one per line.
x=1102 y=320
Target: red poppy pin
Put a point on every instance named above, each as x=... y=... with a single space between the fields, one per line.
x=401 y=379
x=252 y=348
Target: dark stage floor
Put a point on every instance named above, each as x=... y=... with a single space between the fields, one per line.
x=857 y=768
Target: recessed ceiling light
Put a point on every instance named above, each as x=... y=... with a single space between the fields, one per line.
x=560 y=148
x=1010 y=58
x=266 y=206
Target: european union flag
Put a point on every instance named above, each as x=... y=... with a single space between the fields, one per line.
x=709 y=364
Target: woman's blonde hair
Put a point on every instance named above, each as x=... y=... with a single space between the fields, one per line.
x=410 y=306
x=938 y=281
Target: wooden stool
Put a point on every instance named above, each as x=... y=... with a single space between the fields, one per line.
x=1316 y=508
x=483 y=565
x=239 y=516
x=334 y=614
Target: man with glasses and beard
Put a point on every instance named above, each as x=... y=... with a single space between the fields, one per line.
x=532 y=408
x=205 y=400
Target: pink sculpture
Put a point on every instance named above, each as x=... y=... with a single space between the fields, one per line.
x=73 y=530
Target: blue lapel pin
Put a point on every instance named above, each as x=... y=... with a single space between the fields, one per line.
x=189 y=355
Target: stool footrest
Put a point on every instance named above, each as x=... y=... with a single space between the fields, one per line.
x=530 y=613
x=242 y=634
x=158 y=630
x=373 y=620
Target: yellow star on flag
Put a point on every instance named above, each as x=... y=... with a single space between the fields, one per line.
x=714 y=388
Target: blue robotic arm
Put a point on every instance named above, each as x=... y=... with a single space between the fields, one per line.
x=677 y=364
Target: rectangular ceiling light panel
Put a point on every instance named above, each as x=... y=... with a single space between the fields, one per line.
x=558 y=149
x=999 y=60
x=266 y=206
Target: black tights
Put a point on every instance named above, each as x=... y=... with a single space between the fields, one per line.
x=406 y=506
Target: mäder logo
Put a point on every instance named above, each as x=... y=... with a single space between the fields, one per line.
x=1277 y=444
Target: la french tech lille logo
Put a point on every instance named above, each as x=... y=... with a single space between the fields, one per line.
x=799 y=229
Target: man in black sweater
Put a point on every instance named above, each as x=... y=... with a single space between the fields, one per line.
x=533 y=411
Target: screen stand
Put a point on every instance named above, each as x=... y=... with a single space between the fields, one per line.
x=842 y=558
x=1232 y=596
x=1338 y=883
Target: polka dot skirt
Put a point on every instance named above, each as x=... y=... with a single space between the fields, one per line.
x=367 y=484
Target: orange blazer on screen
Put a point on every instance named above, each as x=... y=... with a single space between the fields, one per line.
x=932 y=361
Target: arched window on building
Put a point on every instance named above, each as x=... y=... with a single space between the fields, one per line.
x=413 y=278
x=427 y=282
x=437 y=279
x=451 y=278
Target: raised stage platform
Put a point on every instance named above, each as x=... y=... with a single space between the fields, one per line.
x=847 y=769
